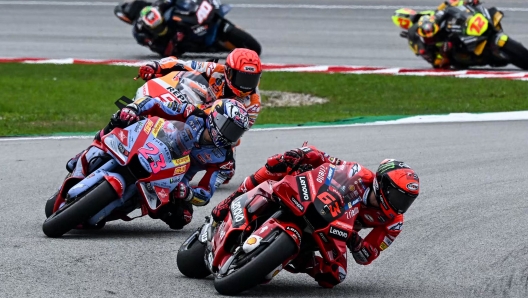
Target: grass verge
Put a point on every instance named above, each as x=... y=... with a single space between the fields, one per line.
x=42 y=99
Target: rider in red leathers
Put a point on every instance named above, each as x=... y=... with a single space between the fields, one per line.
x=384 y=196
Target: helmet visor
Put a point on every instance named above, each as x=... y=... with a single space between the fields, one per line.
x=398 y=200
x=243 y=81
x=228 y=128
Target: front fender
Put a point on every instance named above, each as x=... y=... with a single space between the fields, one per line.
x=94 y=178
x=271 y=225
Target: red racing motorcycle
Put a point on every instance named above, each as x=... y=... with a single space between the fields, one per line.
x=268 y=227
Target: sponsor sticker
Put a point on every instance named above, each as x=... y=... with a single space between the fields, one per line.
x=294 y=232
x=302 y=184
x=395 y=227
x=180 y=170
x=236 y=211
x=148 y=127
x=338 y=233
x=158 y=126
x=297 y=204
x=181 y=161
x=412 y=186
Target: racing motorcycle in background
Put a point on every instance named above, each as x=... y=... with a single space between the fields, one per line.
x=202 y=29
x=268 y=227
x=129 y=174
x=477 y=34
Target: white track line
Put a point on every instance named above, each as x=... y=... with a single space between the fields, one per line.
x=253 y=5
x=425 y=119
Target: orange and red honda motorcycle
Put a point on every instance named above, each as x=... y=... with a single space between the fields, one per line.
x=268 y=227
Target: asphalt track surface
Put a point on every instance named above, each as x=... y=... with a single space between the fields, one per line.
x=338 y=32
x=464 y=237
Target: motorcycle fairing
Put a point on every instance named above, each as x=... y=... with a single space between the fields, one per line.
x=116 y=180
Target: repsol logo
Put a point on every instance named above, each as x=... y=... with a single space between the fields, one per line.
x=339 y=234
x=296 y=203
x=236 y=211
x=303 y=186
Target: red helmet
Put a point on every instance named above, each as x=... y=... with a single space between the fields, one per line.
x=242 y=71
x=396 y=187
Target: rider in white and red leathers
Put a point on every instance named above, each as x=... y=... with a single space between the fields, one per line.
x=384 y=196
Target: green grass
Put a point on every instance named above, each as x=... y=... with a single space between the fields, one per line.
x=42 y=99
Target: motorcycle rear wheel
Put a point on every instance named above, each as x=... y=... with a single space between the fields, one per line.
x=254 y=272
x=190 y=258
x=241 y=39
x=79 y=211
x=517 y=52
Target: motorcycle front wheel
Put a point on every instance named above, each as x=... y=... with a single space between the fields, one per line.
x=190 y=258
x=255 y=271
x=79 y=211
x=517 y=52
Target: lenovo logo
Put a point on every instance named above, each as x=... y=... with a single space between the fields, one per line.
x=339 y=234
x=303 y=186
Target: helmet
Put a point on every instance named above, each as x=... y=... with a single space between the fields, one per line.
x=242 y=71
x=152 y=19
x=227 y=122
x=427 y=26
x=396 y=187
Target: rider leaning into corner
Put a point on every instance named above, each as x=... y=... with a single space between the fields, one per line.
x=163 y=34
x=385 y=196
x=237 y=79
x=428 y=37
x=208 y=136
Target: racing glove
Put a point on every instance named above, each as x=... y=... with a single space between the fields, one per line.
x=358 y=250
x=280 y=163
x=183 y=192
x=150 y=70
x=124 y=117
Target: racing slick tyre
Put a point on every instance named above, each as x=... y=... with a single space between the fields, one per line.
x=79 y=211
x=241 y=39
x=190 y=258
x=50 y=203
x=253 y=273
x=517 y=52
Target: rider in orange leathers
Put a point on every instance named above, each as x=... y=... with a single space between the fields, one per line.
x=237 y=79
x=384 y=196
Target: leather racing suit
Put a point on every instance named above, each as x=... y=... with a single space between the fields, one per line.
x=179 y=23
x=217 y=162
x=218 y=88
x=437 y=49
x=359 y=184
